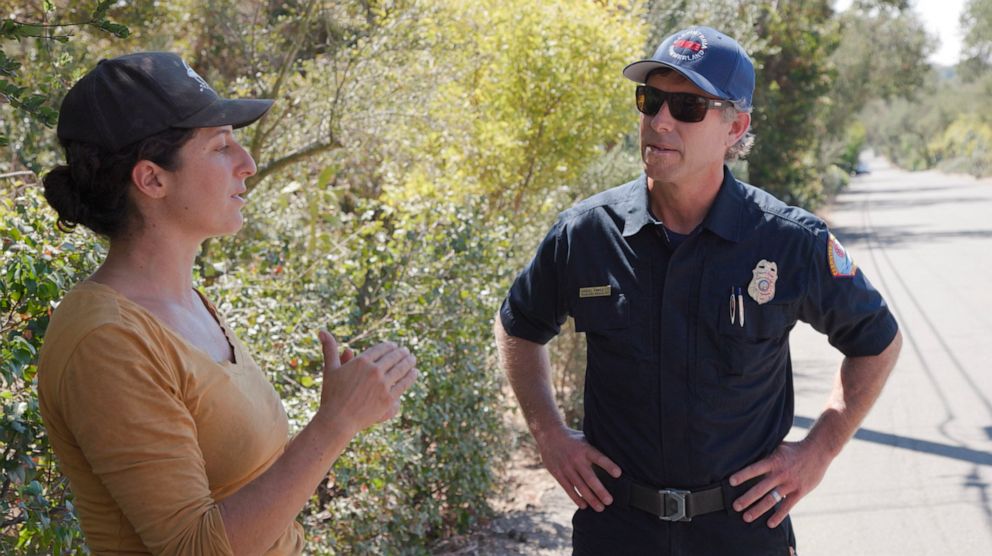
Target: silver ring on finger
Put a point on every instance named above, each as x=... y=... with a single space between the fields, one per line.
x=776 y=496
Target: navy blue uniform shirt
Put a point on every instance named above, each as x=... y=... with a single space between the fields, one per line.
x=677 y=392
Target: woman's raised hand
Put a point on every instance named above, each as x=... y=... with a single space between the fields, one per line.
x=360 y=391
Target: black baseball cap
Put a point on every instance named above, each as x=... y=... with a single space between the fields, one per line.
x=131 y=97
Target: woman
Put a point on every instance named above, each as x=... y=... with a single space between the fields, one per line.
x=171 y=437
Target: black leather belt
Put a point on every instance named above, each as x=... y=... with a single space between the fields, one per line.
x=668 y=504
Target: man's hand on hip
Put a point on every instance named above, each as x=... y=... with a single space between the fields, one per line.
x=791 y=471
x=569 y=458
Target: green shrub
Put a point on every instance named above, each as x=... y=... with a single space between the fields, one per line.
x=428 y=277
x=965 y=146
x=37 y=264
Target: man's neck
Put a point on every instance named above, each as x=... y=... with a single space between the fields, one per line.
x=682 y=206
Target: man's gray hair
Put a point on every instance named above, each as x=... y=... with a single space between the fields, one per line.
x=742 y=147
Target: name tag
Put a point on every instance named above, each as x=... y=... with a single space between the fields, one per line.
x=595 y=291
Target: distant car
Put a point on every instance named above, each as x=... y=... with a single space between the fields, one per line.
x=861 y=168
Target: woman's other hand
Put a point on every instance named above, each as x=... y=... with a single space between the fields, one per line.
x=360 y=391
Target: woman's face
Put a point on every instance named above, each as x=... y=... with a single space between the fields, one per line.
x=205 y=197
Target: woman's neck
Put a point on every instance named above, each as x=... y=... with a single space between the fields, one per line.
x=149 y=267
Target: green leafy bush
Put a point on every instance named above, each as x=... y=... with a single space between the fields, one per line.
x=36 y=266
x=428 y=277
x=965 y=146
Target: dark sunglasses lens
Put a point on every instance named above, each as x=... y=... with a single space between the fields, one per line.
x=687 y=107
x=649 y=100
x=684 y=107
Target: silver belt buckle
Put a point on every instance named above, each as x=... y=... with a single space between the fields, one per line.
x=678 y=496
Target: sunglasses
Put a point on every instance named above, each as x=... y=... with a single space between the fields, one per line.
x=685 y=107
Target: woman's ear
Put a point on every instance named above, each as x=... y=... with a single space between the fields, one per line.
x=147 y=178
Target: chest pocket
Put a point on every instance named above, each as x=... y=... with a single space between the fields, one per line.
x=601 y=314
x=754 y=346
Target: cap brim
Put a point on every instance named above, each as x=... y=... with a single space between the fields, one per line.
x=233 y=112
x=638 y=72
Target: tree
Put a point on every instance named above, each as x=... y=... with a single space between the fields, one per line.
x=795 y=78
x=880 y=56
x=27 y=90
x=977 y=22
x=534 y=97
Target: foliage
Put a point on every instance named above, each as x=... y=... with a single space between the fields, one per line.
x=536 y=95
x=851 y=147
x=36 y=266
x=936 y=129
x=37 y=106
x=354 y=223
x=788 y=97
x=881 y=55
x=977 y=22
x=965 y=146
x=423 y=277
x=901 y=131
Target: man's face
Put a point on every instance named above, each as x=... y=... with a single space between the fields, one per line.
x=686 y=152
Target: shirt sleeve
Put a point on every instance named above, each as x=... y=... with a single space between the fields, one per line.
x=841 y=302
x=535 y=307
x=123 y=404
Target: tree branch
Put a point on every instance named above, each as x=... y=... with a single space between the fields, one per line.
x=306 y=152
x=18 y=174
x=260 y=136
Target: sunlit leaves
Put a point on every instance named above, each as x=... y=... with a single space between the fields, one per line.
x=36 y=265
x=531 y=93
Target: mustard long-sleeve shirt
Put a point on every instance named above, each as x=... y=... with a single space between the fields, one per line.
x=151 y=431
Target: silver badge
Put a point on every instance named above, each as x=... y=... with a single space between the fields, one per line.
x=762 y=286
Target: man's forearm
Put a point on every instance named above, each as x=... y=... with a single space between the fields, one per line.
x=796 y=468
x=856 y=387
x=564 y=452
x=528 y=368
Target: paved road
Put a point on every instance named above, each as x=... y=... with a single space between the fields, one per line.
x=915 y=479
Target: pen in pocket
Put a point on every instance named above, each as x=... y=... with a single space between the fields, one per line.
x=740 y=305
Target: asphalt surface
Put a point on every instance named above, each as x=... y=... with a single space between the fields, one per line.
x=915 y=478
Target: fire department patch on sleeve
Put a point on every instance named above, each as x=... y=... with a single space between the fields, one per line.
x=841 y=263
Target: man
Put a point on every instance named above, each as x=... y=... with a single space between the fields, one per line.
x=687 y=283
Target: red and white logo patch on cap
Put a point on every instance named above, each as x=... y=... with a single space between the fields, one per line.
x=688 y=46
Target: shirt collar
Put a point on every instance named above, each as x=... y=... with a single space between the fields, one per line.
x=638 y=214
x=724 y=217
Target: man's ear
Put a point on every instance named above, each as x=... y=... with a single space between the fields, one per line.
x=147 y=178
x=738 y=128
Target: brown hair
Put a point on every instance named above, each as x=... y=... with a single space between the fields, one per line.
x=92 y=187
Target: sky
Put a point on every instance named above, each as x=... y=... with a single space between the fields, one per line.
x=940 y=17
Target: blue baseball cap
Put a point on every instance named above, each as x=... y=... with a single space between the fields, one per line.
x=709 y=59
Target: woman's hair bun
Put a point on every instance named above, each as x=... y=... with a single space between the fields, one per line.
x=63 y=195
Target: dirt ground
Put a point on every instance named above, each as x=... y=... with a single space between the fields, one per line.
x=533 y=514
